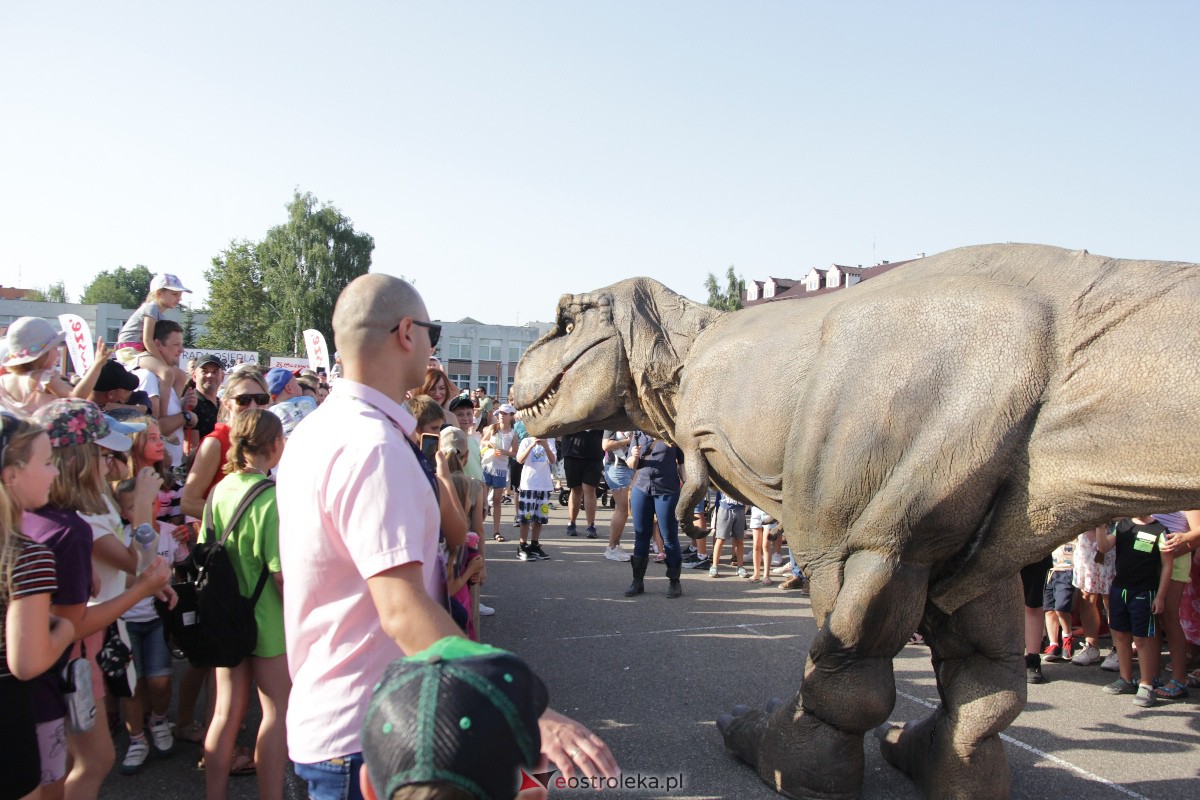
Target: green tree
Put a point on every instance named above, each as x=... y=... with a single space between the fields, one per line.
x=189 y=326
x=729 y=299
x=127 y=288
x=54 y=293
x=238 y=310
x=305 y=264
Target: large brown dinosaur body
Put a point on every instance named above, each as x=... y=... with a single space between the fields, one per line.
x=921 y=436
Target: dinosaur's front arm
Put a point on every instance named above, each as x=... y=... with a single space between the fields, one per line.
x=695 y=470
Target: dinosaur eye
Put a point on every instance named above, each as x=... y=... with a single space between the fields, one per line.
x=570 y=327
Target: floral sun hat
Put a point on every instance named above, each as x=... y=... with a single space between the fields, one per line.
x=71 y=421
x=28 y=340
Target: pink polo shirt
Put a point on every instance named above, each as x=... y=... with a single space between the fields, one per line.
x=353 y=502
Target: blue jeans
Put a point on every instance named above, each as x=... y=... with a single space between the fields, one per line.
x=643 y=508
x=335 y=779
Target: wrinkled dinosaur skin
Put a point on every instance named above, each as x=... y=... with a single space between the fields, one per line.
x=921 y=436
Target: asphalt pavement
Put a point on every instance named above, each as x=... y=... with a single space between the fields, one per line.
x=650 y=675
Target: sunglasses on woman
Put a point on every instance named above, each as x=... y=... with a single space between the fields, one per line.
x=244 y=400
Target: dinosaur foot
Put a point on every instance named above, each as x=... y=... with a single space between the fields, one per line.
x=795 y=753
x=923 y=751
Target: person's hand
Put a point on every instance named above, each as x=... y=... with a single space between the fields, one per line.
x=570 y=745
x=441 y=466
x=1159 y=605
x=101 y=351
x=1179 y=543
x=189 y=399
x=146 y=487
x=168 y=596
x=182 y=533
x=155 y=579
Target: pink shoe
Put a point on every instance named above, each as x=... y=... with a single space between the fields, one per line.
x=660 y=557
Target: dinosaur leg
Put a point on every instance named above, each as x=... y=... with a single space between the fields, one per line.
x=693 y=489
x=956 y=751
x=811 y=746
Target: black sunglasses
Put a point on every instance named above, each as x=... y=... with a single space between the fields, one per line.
x=435 y=330
x=244 y=400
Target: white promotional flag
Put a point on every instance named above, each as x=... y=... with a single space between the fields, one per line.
x=79 y=342
x=318 y=354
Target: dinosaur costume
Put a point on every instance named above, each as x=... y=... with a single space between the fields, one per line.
x=933 y=430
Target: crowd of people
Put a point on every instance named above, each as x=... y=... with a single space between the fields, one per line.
x=384 y=476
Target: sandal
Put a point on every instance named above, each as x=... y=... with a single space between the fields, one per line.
x=1173 y=690
x=242 y=764
x=660 y=557
x=499 y=537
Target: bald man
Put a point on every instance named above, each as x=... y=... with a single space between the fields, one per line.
x=360 y=561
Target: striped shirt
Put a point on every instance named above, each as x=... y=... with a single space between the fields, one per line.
x=33 y=573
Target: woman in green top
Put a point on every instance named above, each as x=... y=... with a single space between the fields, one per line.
x=256 y=444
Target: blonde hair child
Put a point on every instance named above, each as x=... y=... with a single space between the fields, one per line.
x=137 y=335
x=29 y=380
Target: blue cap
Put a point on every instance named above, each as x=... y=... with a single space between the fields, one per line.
x=277 y=380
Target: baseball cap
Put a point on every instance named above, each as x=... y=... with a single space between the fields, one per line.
x=458 y=712
x=72 y=421
x=460 y=401
x=507 y=408
x=113 y=375
x=277 y=379
x=209 y=358
x=165 y=280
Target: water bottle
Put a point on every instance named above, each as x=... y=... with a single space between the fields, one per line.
x=145 y=540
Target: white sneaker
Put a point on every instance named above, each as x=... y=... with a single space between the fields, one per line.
x=616 y=554
x=1111 y=662
x=486 y=611
x=776 y=560
x=1086 y=656
x=161 y=735
x=135 y=756
x=713 y=571
x=782 y=569
x=741 y=572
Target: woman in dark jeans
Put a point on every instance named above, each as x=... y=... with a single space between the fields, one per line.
x=655 y=493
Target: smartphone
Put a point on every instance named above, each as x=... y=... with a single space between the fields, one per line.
x=429 y=446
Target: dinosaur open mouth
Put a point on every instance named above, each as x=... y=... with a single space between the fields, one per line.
x=544 y=402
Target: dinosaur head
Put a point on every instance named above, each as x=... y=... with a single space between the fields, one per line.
x=612 y=360
x=576 y=376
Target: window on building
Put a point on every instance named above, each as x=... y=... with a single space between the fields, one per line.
x=114 y=332
x=460 y=379
x=514 y=351
x=459 y=349
x=490 y=349
x=489 y=384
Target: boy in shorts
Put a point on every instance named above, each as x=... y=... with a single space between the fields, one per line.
x=730 y=523
x=536 y=457
x=1056 y=602
x=1138 y=593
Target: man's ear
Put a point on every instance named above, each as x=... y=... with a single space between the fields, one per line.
x=364 y=783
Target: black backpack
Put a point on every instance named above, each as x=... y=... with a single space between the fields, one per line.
x=213 y=624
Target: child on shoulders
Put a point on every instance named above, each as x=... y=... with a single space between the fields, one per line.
x=136 y=340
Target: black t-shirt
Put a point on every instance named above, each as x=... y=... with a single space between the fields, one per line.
x=585 y=444
x=1138 y=562
x=206 y=415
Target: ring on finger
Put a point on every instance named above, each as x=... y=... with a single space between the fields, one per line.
x=573 y=753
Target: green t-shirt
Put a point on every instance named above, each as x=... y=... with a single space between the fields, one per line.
x=253 y=543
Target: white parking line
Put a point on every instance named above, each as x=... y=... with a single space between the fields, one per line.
x=749 y=626
x=1042 y=754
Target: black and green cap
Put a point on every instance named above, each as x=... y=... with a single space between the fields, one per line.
x=458 y=712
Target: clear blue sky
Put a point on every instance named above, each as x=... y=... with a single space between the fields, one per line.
x=505 y=153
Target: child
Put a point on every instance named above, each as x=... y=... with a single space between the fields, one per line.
x=1137 y=595
x=31 y=638
x=137 y=335
x=77 y=431
x=762 y=527
x=256 y=445
x=30 y=381
x=464 y=565
x=730 y=524
x=435 y=712
x=1092 y=575
x=536 y=456
x=1056 y=602
x=151 y=656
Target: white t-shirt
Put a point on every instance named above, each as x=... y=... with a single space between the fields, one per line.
x=112 y=580
x=497 y=464
x=173 y=445
x=166 y=547
x=535 y=474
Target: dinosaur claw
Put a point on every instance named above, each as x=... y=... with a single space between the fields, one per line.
x=740 y=709
x=773 y=705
